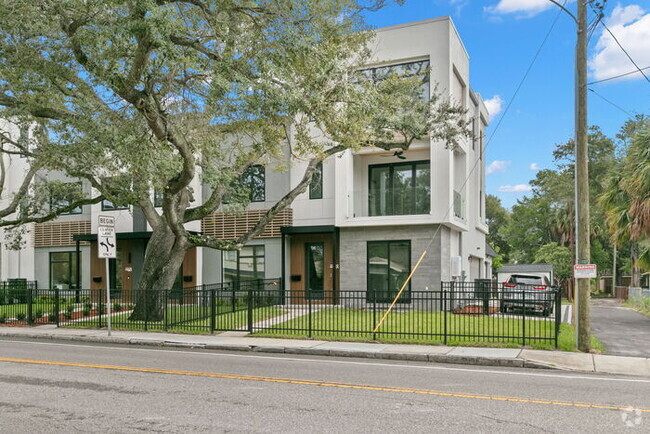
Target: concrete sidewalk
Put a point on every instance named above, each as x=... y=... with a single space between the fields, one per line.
x=239 y=341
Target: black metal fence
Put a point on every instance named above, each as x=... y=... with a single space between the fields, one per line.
x=456 y=314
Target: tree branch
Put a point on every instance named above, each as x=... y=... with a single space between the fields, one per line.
x=52 y=215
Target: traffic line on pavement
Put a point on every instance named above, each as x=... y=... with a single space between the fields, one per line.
x=322 y=384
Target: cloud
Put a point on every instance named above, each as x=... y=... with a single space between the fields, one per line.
x=519 y=188
x=534 y=166
x=525 y=8
x=494 y=106
x=631 y=26
x=497 y=166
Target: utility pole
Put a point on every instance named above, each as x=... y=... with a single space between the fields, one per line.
x=582 y=290
x=582 y=180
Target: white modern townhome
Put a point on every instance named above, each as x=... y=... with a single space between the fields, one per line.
x=362 y=225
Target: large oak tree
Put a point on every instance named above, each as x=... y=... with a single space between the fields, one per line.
x=137 y=95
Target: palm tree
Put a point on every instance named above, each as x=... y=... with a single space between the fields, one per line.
x=626 y=201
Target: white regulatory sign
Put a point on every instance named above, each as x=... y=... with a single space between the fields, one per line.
x=105 y=220
x=585 y=271
x=106 y=242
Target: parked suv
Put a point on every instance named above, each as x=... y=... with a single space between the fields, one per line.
x=533 y=291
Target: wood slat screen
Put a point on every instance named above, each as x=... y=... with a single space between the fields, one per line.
x=227 y=226
x=59 y=233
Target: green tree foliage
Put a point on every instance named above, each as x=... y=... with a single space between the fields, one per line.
x=185 y=95
x=497 y=218
x=556 y=255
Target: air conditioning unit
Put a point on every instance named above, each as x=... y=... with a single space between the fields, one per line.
x=456 y=266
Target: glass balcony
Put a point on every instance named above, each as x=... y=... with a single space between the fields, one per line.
x=390 y=202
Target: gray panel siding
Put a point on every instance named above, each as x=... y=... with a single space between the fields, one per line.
x=353 y=255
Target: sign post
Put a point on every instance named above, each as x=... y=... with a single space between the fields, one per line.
x=107 y=249
x=582 y=270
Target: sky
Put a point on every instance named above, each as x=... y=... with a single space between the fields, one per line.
x=502 y=37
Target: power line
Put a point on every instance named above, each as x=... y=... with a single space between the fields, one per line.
x=619 y=76
x=610 y=102
x=625 y=51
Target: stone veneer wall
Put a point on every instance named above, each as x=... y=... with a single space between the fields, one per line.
x=353 y=254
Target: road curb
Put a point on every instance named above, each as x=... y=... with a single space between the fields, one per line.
x=392 y=355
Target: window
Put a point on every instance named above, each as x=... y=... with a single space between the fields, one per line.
x=63 y=270
x=157 y=198
x=399 y=189
x=410 y=69
x=316 y=185
x=389 y=264
x=254 y=181
x=107 y=205
x=68 y=194
x=245 y=264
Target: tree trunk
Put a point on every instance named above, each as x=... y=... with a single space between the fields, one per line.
x=635 y=280
x=163 y=258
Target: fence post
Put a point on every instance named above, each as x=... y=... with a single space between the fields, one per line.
x=146 y=308
x=30 y=308
x=213 y=309
x=309 y=315
x=558 y=315
x=165 y=298
x=523 y=318
x=374 y=315
x=443 y=299
x=100 y=307
x=56 y=305
x=251 y=293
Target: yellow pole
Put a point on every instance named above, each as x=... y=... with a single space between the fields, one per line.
x=406 y=282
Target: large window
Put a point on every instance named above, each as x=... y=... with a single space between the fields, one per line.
x=410 y=69
x=389 y=264
x=107 y=205
x=245 y=264
x=254 y=181
x=65 y=196
x=316 y=185
x=63 y=270
x=399 y=189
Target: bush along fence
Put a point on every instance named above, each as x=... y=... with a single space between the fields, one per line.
x=459 y=313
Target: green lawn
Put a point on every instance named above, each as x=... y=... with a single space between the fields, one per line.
x=11 y=310
x=642 y=305
x=416 y=327
x=230 y=320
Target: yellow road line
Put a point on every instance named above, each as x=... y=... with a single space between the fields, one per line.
x=323 y=384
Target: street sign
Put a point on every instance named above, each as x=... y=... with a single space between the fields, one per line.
x=585 y=271
x=106 y=245
x=105 y=220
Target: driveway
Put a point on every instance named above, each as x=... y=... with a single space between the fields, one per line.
x=624 y=331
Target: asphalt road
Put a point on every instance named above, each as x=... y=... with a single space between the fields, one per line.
x=623 y=331
x=63 y=387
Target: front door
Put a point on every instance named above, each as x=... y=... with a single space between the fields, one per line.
x=315 y=270
x=312 y=268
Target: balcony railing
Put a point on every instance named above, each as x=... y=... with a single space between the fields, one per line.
x=390 y=202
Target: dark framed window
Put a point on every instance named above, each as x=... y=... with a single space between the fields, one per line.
x=388 y=266
x=107 y=205
x=316 y=184
x=63 y=270
x=254 y=180
x=65 y=198
x=411 y=69
x=399 y=188
x=157 y=198
x=315 y=270
x=245 y=264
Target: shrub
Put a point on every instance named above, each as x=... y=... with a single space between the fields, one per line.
x=3 y=319
x=69 y=308
x=130 y=306
x=53 y=315
x=117 y=307
x=37 y=314
x=85 y=311
x=101 y=307
x=21 y=316
x=88 y=305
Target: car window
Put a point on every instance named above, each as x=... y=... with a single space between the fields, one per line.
x=528 y=280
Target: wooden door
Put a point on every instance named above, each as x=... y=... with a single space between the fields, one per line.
x=312 y=269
